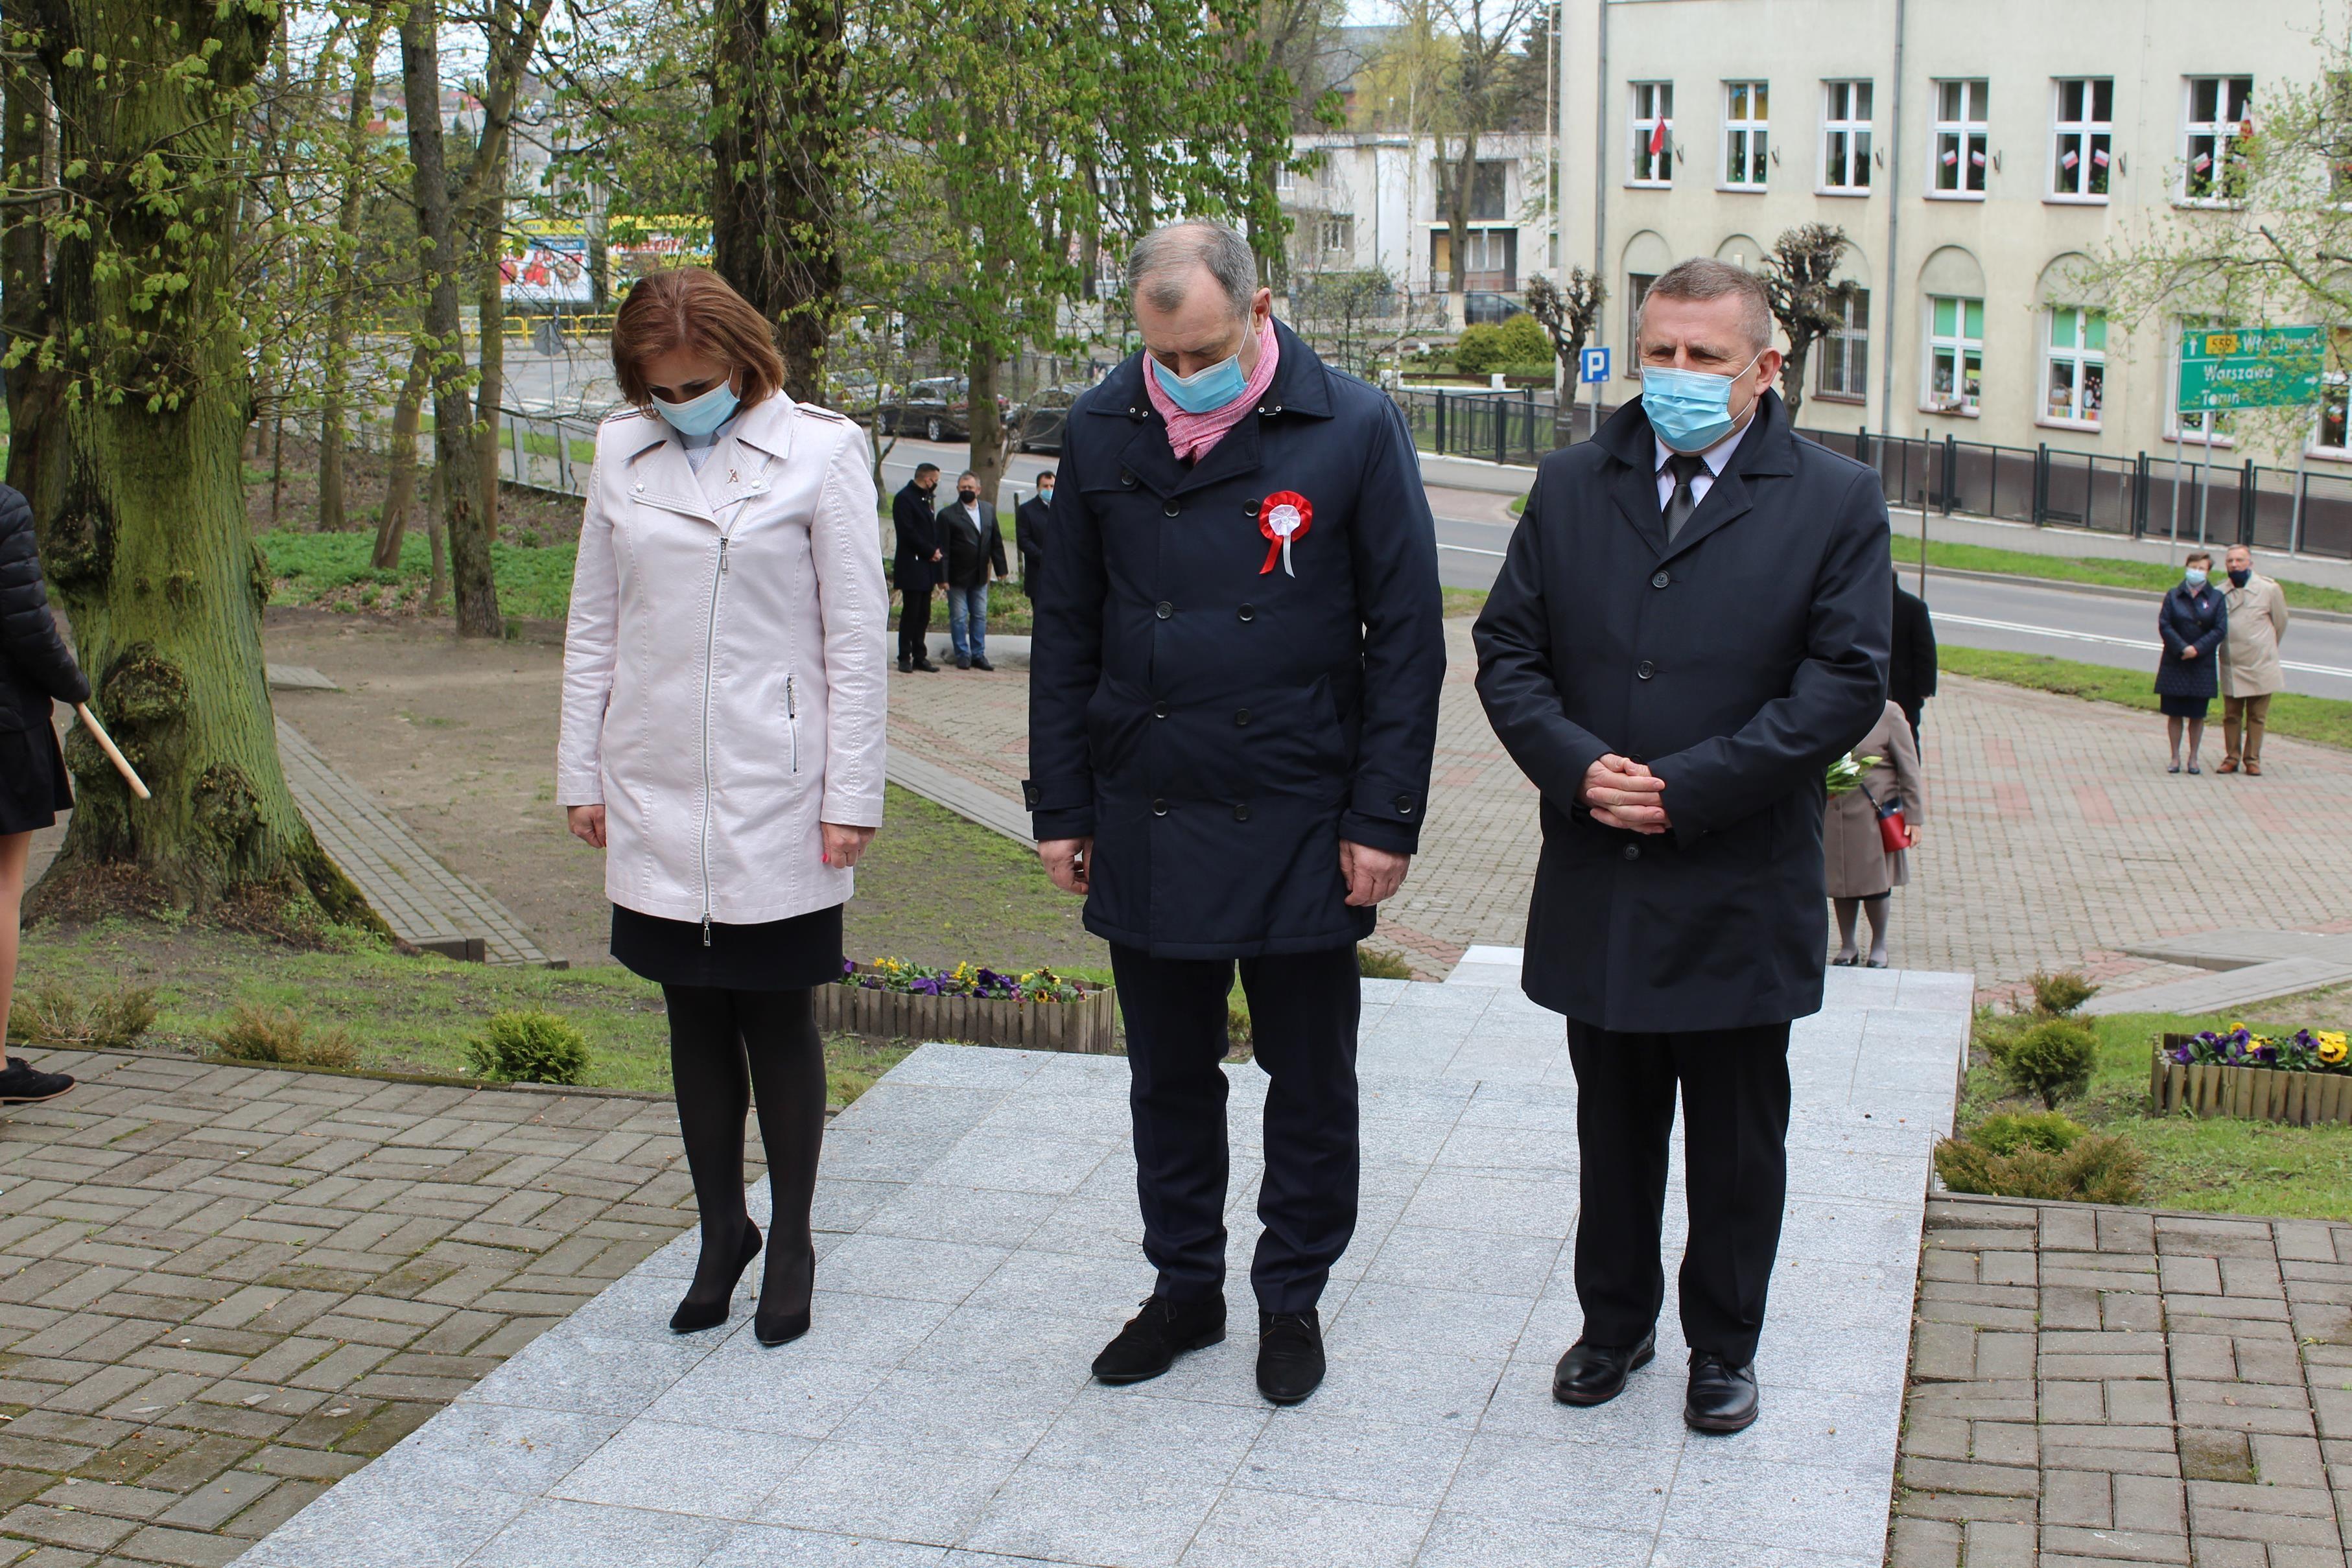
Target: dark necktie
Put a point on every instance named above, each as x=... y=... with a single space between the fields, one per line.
x=1685 y=466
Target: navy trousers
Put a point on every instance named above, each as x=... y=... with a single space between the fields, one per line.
x=1734 y=1086
x=1304 y=1009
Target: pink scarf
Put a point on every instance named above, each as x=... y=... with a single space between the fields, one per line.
x=1192 y=436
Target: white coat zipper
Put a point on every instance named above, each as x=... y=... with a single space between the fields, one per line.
x=710 y=656
x=792 y=722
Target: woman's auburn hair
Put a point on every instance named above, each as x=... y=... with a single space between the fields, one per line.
x=693 y=307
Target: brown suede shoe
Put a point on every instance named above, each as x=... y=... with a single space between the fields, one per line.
x=2253 y=769
x=2228 y=765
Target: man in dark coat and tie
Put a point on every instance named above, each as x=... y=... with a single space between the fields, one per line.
x=1033 y=519
x=1691 y=624
x=1233 y=706
x=916 y=567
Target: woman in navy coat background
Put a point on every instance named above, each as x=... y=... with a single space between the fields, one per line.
x=2193 y=619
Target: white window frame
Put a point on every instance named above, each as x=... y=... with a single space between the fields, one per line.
x=2219 y=131
x=1854 y=328
x=1838 y=96
x=2093 y=139
x=1967 y=139
x=2336 y=387
x=2082 y=358
x=2213 y=424
x=1335 y=234
x=1285 y=178
x=1746 y=139
x=1648 y=103
x=1957 y=345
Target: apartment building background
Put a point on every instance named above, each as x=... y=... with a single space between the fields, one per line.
x=1969 y=153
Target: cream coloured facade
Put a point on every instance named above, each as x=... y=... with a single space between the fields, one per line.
x=1968 y=152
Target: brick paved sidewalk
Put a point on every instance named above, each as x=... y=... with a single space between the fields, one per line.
x=223 y=1288
x=2094 y=1385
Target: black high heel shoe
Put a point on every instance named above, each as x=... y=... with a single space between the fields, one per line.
x=771 y=1325
x=692 y=1315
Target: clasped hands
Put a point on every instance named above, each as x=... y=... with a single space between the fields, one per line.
x=1372 y=875
x=1623 y=793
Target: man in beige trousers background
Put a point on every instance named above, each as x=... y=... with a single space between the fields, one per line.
x=2249 y=661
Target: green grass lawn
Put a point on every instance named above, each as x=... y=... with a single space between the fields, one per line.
x=2327 y=720
x=2153 y=576
x=2212 y=1164
x=333 y=570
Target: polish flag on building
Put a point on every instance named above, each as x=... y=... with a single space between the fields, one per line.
x=1657 y=138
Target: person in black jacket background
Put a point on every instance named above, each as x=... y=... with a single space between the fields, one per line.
x=2194 y=622
x=1911 y=670
x=1033 y=520
x=915 y=570
x=1692 y=621
x=975 y=546
x=1230 y=741
x=36 y=670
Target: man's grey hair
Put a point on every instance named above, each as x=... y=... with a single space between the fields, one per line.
x=1703 y=277
x=1160 y=267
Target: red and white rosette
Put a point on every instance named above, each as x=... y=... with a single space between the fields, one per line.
x=1282 y=517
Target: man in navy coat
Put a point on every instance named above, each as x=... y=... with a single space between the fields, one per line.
x=1691 y=624
x=917 y=568
x=1233 y=706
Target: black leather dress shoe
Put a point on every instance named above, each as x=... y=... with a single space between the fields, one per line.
x=22 y=1084
x=1153 y=1338
x=1722 y=1396
x=927 y=664
x=906 y=666
x=1595 y=1373
x=980 y=664
x=1289 y=1354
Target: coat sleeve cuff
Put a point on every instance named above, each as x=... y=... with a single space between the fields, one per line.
x=580 y=789
x=1076 y=823
x=1378 y=833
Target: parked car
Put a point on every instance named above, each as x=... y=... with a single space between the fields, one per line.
x=856 y=394
x=936 y=408
x=1038 y=426
x=1481 y=308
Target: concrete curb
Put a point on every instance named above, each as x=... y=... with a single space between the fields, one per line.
x=2104 y=590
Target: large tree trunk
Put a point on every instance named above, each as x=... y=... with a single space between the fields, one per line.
x=1458 y=228
x=140 y=494
x=454 y=453
x=400 y=461
x=24 y=263
x=777 y=144
x=490 y=300
x=351 y=211
x=987 y=429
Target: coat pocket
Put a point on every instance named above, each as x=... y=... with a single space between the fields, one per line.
x=793 y=718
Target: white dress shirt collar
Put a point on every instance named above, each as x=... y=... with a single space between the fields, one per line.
x=1716 y=456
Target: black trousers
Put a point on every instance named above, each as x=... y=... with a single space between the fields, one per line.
x=1304 y=1009
x=914 y=624
x=1735 y=1099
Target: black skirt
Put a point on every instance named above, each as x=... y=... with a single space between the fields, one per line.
x=773 y=955
x=2181 y=707
x=34 y=787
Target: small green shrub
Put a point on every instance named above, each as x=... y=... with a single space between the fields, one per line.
x=2013 y=1131
x=1524 y=340
x=528 y=1048
x=2055 y=996
x=1375 y=964
x=108 y=1019
x=1480 y=349
x=2097 y=1168
x=2051 y=1060
x=277 y=1035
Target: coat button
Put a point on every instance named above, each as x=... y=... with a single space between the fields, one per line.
x=1128 y=480
x=1250 y=508
x=1661 y=580
x=1164 y=610
x=1645 y=669
x=1241 y=812
x=1159 y=807
x=1160 y=710
x=1632 y=852
x=1240 y=716
x=1247 y=613
x=1171 y=509
x=1404 y=805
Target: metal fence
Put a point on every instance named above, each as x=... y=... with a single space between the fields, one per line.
x=538 y=451
x=2137 y=496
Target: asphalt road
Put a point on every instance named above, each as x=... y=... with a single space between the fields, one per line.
x=1474 y=528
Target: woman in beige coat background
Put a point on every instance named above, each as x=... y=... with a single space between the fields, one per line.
x=1862 y=871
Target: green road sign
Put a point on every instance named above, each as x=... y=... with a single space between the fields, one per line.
x=2249 y=367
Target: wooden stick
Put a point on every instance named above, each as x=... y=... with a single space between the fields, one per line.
x=106 y=744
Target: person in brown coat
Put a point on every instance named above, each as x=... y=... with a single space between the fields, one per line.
x=1862 y=871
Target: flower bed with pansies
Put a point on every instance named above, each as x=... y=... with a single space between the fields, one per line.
x=2302 y=1078
x=892 y=998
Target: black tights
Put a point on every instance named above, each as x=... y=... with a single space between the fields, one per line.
x=723 y=1045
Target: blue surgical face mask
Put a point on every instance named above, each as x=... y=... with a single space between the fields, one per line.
x=700 y=416
x=1689 y=411
x=2194 y=577
x=1202 y=392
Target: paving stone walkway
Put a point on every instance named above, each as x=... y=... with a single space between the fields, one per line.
x=2054 y=838
x=223 y=1289
x=2095 y=1386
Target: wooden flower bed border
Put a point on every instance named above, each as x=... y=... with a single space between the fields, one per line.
x=1088 y=1025
x=2253 y=1093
